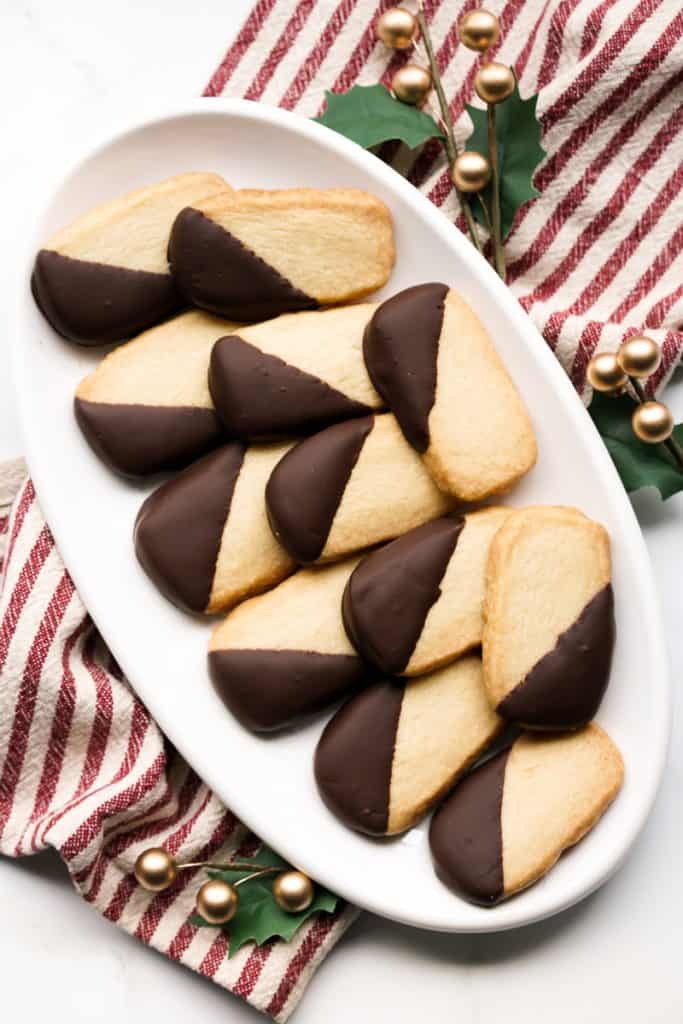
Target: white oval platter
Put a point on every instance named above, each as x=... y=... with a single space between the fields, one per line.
x=269 y=782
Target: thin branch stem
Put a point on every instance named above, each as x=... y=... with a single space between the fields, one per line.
x=451 y=148
x=447 y=121
x=496 y=237
x=670 y=444
x=234 y=865
x=256 y=874
x=485 y=213
x=638 y=388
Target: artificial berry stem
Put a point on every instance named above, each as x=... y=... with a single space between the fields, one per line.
x=447 y=122
x=234 y=865
x=256 y=874
x=496 y=236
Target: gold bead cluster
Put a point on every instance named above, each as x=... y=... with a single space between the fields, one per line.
x=479 y=30
x=399 y=29
x=217 y=900
x=610 y=372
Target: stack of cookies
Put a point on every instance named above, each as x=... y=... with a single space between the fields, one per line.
x=331 y=459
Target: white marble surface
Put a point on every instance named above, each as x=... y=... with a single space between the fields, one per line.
x=616 y=957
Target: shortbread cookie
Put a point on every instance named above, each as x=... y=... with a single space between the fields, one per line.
x=391 y=751
x=105 y=277
x=203 y=537
x=285 y=654
x=549 y=618
x=294 y=374
x=506 y=824
x=250 y=255
x=435 y=366
x=147 y=406
x=352 y=485
x=416 y=603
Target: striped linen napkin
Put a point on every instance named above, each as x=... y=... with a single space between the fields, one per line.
x=85 y=770
x=83 y=767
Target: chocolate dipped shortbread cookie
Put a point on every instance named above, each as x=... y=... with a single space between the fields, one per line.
x=352 y=485
x=294 y=374
x=284 y=654
x=147 y=406
x=203 y=537
x=435 y=366
x=416 y=603
x=106 y=277
x=250 y=255
x=392 y=750
x=507 y=823
x=549 y=618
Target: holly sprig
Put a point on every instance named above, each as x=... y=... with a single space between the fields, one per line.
x=254 y=898
x=493 y=175
x=638 y=464
x=259 y=917
x=518 y=136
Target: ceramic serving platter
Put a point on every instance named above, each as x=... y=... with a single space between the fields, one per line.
x=269 y=782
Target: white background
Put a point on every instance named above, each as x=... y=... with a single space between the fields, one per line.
x=616 y=957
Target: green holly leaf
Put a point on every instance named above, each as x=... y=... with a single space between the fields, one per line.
x=518 y=136
x=369 y=115
x=638 y=464
x=259 y=918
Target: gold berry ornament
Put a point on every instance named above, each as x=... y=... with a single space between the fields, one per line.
x=293 y=891
x=652 y=422
x=411 y=84
x=397 y=28
x=494 y=82
x=217 y=901
x=639 y=357
x=155 y=869
x=479 y=30
x=471 y=171
x=604 y=372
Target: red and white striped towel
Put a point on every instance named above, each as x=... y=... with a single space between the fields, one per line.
x=83 y=767
x=86 y=771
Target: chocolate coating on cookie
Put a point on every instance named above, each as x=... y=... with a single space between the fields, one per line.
x=179 y=527
x=400 y=346
x=388 y=596
x=380 y=766
x=507 y=823
x=353 y=778
x=137 y=439
x=267 y=690
x=283 y=653
x=465 y=835
x=549 y=631
x=434 y=364
x=94 y=303
x=259 y=395
x=306 y=487
x=565 y=688
x=215 y=271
